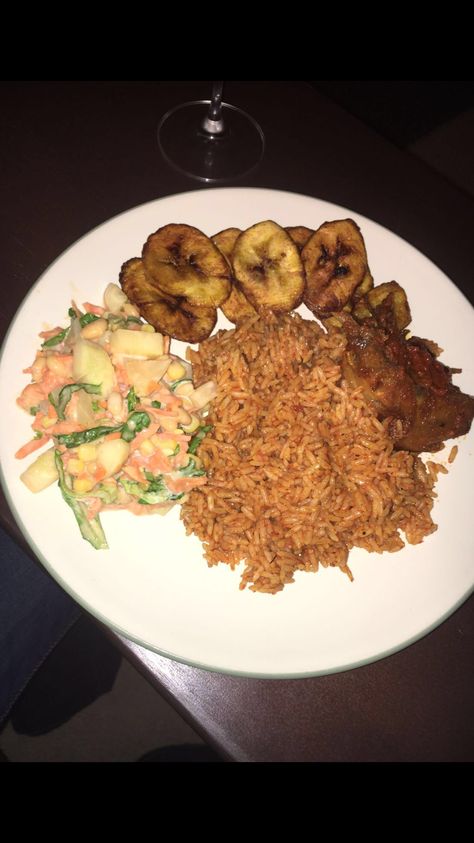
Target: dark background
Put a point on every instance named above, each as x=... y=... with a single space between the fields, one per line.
x=401 y=111
x=404 y=112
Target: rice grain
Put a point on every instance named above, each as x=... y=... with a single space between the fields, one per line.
x=299 y=468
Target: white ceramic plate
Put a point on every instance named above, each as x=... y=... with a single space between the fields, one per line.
x=153 y=585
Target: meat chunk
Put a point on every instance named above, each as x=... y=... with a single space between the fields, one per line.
x=407 y=384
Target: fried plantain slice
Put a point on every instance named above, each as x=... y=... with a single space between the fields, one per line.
x=225 y=241
x=236 y=307
x=365 y=285
x=392 y=294
x=171 y=315
x=360 y=310
x=335 y=263
x=268 y=267
x=300 y=234
x=386 y=303
x=183 y=261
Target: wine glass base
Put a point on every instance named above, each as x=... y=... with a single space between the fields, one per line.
x=234 y=153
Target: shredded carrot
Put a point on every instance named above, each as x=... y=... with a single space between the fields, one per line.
x=184 y=484
x=31 y=396
x=31 y=446
x=180 y=437
x=49 y=381
x=122 y=377
x=133 y=472
x=93 y=308
x=158 y=462
x=99 y=473
x=162 y=413
x=145 y=434
x=64 y=427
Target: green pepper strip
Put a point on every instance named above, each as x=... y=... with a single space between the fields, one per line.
x=58 y=338
x=134 y=424
x=198 y=437
x=65 y=394
x=91 y=529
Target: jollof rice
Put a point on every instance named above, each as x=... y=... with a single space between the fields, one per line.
x=300 y=470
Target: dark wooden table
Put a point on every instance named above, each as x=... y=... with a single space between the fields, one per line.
x=76 y=154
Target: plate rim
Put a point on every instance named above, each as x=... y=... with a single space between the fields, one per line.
x=84 y=603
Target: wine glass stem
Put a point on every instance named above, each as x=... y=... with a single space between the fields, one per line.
x=213 y=123
x=215 y=107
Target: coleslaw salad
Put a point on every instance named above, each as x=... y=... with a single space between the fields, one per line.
x=118 y=412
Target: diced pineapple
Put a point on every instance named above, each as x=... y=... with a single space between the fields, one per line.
x=112 y=454
x=82 y=411
x=136 y=343
x=203 y=395
x=41 y=473
x=87 y=452
x=75 y=466
x=92 y=364
x=144 y=375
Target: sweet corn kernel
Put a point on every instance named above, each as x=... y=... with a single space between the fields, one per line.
x=83 y=484
x=87 y=452
x=47 y=422
x=149 y=329
x=175 y=371
x=147 y=448
x=165 y=443
x=168 y=424
x=75 y=466
x=168 y=452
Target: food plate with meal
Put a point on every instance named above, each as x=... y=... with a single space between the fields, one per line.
x=236 y=428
